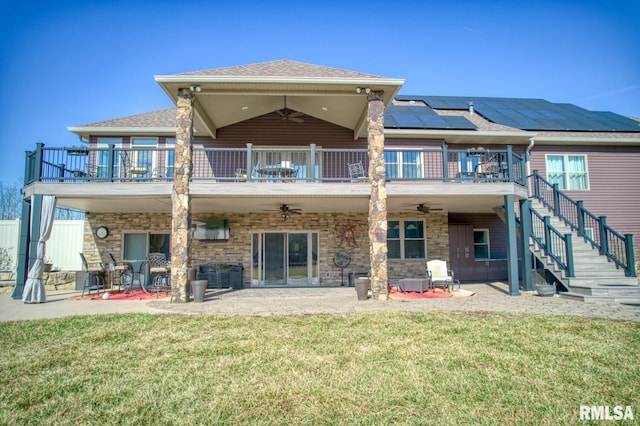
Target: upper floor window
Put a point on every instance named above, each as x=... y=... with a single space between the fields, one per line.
x=100 y=165
x=405 y=239
x=568 y=171
x=403 y=164
x=143 y=151
x=170 y=156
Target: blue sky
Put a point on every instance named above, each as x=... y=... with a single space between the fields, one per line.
x=68 y=63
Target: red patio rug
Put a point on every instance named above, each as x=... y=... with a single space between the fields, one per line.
x=120 y=295
x=437 y=293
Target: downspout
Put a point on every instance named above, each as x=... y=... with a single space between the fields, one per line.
x=532 y=142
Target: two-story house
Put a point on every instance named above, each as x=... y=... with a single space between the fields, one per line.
x=304 y=174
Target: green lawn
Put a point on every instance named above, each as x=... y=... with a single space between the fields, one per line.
x=373 y=368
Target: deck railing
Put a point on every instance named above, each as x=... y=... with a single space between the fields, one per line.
x=258 y=164
x=594 y=229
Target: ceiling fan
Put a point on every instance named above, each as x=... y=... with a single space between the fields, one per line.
x=285 y=211
x=422 y=208
x=287 y=114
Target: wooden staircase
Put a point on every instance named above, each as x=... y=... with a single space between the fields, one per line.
x=597 y=280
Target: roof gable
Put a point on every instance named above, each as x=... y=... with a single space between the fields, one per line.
x=280 y=68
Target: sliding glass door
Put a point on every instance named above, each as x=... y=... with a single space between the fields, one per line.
x=285 y=259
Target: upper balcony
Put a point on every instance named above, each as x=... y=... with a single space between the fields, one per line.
x=256 y=178
x=269 y=165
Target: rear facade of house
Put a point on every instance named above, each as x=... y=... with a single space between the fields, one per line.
x=274 y=197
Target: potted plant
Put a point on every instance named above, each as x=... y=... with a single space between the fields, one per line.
x=546 y=290
x=48 y=265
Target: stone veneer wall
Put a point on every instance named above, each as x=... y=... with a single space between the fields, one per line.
x=238 y=248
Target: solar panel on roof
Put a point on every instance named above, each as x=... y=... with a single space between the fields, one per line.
x=527 y=114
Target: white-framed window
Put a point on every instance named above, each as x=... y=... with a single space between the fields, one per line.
x=481 y=247
x=405 y=239
x=143 y=154
x=403 y=164
x=102 y=158
x=569 y=171
x=170 y=157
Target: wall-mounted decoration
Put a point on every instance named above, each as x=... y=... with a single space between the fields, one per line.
x=346 y=234
x=102 y=232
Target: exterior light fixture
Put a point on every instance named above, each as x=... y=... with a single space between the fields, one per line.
x=195 y=88
x=363 y=89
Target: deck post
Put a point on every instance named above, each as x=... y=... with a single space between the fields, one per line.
x=525 y=249
x=181 y=200
x=512 y=246
x=378 y=199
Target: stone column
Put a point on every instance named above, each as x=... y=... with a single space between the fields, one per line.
x=180 y=199
x=378 y=198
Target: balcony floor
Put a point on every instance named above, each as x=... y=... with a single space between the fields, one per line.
x=242 y=197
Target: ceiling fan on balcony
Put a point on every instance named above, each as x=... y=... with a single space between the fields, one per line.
x=423 y=208
x=287 y=114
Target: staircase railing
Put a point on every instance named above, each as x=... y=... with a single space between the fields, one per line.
x=594 y=229
x=558 y=246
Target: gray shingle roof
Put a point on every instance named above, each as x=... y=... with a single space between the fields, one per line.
x=281 y=68
x=153 y=119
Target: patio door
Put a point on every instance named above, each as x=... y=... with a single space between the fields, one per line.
x=285 y=259
x=137 y=245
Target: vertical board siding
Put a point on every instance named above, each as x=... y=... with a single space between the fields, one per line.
x=614 y=184
x=9 y=234
x=63 y=245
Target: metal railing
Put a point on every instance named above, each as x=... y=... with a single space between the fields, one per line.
x=258 y=164
x=594 y=229
x=558 y=247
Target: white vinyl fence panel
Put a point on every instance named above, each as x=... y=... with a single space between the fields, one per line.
x=62 y=247
x=9 y=233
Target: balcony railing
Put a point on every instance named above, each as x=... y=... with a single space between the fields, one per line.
x=257 y=164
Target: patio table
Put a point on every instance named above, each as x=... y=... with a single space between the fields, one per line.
x=413 y=284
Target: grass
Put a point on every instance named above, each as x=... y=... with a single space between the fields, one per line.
x=369 y=369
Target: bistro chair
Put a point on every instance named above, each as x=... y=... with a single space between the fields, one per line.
x=94 y=276
x=439 y=276
x=160 y=275
x=118 y=269
x=356 y=171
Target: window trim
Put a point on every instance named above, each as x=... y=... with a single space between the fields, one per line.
x=488 y=243
x=402 y=239
x=399 y=163
x=566 y=172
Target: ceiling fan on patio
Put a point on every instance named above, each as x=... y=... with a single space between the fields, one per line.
x=286 y=211
x=287 y=114
x=423 y=208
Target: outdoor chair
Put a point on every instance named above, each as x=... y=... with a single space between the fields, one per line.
x=440 y=276
x=117 y=270
x=356 y=171
x=159 y=271
x=241 y=174
x=94 y=276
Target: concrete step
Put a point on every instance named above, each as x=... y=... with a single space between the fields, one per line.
x=607 y=290
x=630 y=300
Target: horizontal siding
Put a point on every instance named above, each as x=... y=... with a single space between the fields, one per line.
x=614 y=181
x=270 y=130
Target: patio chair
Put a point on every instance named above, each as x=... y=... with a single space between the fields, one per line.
x=356 y=171
x=241 y=174
x=118 y=269
x=94 y=276
x=159 y=271
x=440 y=276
